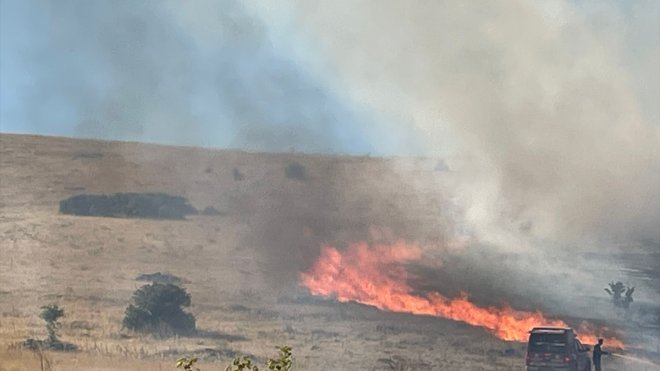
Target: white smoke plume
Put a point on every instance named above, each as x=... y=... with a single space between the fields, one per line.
x=540 y=106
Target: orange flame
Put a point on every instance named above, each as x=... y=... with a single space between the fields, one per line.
x=377 y=276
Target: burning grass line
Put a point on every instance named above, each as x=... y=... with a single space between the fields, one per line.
x=376 y=276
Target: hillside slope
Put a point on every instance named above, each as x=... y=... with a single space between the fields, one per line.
x=241 y=266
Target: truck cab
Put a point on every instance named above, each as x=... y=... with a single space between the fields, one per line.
x=556 y=348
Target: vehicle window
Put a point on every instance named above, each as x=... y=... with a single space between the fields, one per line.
x=547 y=343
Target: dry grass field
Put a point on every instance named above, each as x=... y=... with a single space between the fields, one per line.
x=240 y=266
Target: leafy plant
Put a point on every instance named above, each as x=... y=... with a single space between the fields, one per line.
x=284 y=362
x=397 y=363
x=242 y=364
x=158 y=308
x=188 y=364
x=51 y=313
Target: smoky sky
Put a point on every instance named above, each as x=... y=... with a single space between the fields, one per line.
x=140 y=71
x=546 y=111
x=549 y=108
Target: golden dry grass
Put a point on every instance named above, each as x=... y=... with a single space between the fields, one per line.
x=240 y=266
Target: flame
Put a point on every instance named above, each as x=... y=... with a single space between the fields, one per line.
x=377 y=276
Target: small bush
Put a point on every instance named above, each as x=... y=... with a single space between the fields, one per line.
x=617 y=291
x=295 y=171
x=157 y=309
x=188 y=364
x=284 y=362
x=50 y=313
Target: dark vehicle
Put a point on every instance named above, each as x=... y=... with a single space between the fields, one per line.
x=556 y=348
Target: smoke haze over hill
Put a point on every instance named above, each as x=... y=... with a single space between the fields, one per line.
x=546 y=110
x=535 y=101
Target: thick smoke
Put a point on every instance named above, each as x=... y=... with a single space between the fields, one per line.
x=178 y=72
x=547 y=114
x=534 y=102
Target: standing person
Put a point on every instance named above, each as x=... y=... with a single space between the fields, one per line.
x=597 y=353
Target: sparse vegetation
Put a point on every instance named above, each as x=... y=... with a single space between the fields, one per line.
x=283 y=362
x=295 y=171
x=241 y=364
x=397 y=363
x=188 y=364
x=158 y=309
x=45 y=362
x=620 y=294
x=50 y=313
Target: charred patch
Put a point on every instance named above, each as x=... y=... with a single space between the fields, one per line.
x=128 y=205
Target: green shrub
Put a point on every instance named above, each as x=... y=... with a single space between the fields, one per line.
x=188 y=364
x=242 y=364
x=157 y=308
x=51 y=313
x=284 y=362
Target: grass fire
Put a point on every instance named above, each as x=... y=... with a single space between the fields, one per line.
x=376 y=275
